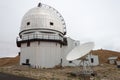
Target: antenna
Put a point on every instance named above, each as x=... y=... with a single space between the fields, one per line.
x=39 y=5
x=80 y=52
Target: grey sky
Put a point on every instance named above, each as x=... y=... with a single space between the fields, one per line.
x=86 y=20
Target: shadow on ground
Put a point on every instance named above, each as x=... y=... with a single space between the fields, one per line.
x=4 y=76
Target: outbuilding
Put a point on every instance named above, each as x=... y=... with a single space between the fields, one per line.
x=112 y=60
x=118 y=64
x=91 y=60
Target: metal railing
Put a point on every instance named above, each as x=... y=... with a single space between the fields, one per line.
x=40 y=36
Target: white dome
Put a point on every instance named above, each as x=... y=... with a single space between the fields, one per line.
x=43 y=17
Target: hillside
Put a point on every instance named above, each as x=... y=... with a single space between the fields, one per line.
x=9 y=61
x=104 y=72
x=105 y=54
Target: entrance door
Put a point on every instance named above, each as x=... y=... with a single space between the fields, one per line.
x=27 y=61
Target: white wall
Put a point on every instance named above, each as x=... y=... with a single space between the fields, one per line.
x=95 y=60
x=66 y=49
x=47 y=54
x=44 y=55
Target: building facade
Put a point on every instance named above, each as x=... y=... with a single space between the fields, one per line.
x=42 y=38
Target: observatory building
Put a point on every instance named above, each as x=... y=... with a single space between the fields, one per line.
x=42 y=39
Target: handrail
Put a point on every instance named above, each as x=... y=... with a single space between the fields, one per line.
x=40 y=36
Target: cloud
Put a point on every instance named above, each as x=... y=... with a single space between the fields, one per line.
x=86 y=20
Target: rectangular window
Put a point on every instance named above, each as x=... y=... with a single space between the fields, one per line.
x=28 y=23
x=51 y=23
x=70 y=61
x=28 y=44
x=27 y=61
x=19 y=53
x=92 y=60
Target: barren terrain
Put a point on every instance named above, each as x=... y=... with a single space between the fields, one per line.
x=104 y=71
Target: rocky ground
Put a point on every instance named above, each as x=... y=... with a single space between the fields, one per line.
x=104 y=72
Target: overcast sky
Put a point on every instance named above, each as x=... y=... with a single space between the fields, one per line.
x=86 y=20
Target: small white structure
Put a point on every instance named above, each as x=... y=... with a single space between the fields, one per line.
x=118 y=64
x=112 y=60
x=91 y=60
x=42 y=39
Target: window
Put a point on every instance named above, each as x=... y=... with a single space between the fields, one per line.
x=27 y=61
x=28 y=44
x=60 y=45
x=70 y=61
x=51 y=23
x=92 y=60
x=19 y=53
x=28 y=23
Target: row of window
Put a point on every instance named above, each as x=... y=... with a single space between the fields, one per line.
x=51 y=23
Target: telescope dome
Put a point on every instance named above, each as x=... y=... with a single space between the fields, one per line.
x=43 y=17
